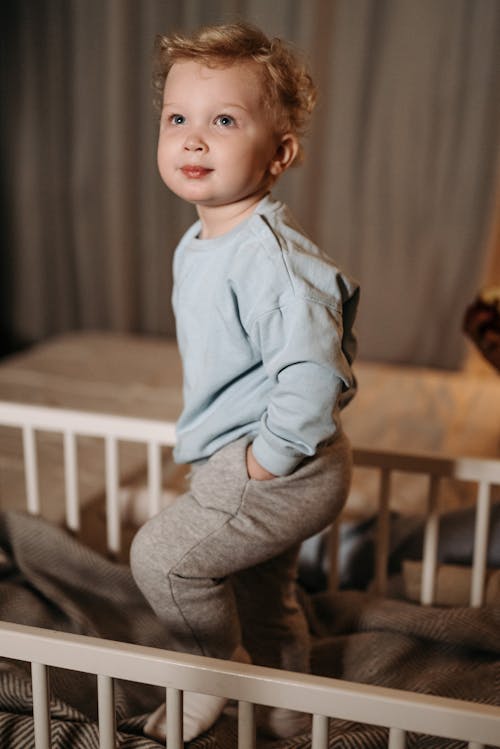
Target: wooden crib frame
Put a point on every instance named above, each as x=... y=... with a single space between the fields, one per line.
x=399 y=711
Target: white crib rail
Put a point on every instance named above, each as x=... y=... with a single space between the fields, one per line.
x=483 y=472
x=320 y=696
x=154 y=434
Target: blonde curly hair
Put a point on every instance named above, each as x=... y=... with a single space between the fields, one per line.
x=289 y=91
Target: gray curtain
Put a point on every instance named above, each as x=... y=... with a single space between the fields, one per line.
x=398 y=184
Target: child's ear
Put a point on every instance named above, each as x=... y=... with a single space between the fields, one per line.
x=285 y=155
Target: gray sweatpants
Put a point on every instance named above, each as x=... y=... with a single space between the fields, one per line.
x=219 y=565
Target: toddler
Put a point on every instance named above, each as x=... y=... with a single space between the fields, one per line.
x=265 y=330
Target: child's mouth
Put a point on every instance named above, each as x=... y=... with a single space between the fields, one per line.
x=195 y=172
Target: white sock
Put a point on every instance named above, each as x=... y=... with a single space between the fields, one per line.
x=200 y=711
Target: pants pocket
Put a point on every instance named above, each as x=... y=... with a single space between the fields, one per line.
x=220 y=483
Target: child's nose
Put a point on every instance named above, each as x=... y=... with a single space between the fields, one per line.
x=194 y=142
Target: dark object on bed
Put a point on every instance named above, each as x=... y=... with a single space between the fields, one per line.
x=482 y=325
x=357 y=545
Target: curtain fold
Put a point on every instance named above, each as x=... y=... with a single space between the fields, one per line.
x=398 y=185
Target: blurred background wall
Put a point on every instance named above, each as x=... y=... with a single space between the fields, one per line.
x=399 y=183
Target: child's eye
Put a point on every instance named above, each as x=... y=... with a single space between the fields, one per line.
x=225 y=120
x=177 y=119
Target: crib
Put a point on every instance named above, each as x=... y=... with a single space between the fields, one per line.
x=403 y=717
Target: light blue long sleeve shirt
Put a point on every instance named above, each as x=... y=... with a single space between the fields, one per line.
x=265 y=330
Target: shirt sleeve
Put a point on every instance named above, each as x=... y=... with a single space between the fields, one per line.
x=307 y=355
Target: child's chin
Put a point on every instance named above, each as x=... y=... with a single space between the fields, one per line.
x=196 y=194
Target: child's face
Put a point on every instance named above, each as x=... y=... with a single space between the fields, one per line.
x=216 y=145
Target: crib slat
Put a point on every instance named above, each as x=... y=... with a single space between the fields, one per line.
x=397 y=738
x=41 y=705
x=174 y=722
x=71 y=481
x=319 y=732
x=154 y=478
x=246 y=725
x=431 y=538
x=382 y=549
x=31 y=470
x=480 y=544
x=106 y=711
x=112 y=505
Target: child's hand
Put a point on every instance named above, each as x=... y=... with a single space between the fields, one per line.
x=255 y=470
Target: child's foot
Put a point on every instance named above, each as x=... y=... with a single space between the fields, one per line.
x=200 y=712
